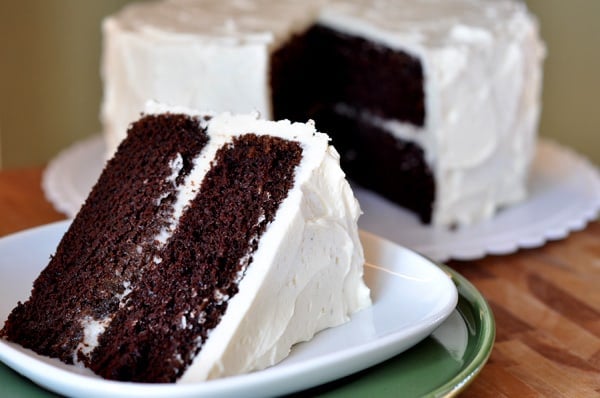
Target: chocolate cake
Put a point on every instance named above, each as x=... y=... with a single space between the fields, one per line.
x=433 y=104
x=197 y=226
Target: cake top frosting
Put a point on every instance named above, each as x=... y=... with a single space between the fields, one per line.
x=422 y=22
x=430 y=23
x=235 y=22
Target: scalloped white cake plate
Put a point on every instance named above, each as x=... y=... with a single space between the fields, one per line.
x=564 y=195
x=401 y=316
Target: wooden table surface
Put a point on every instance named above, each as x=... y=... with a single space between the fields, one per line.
x=546 y=303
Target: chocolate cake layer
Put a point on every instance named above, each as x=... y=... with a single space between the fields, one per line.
x=375 y=159
x=105 y=250
x=323 y=67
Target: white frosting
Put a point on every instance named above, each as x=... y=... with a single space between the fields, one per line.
x=210 y=55
x=306 y=274
x=92 y=328
x=481 y=60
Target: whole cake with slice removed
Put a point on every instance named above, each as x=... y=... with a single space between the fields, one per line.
x=208 y=247
x=433 y=104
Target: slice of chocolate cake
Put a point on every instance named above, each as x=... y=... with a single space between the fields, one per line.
x=208 y=247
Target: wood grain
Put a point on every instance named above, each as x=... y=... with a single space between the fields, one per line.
x=546 y=303
x=22 y=202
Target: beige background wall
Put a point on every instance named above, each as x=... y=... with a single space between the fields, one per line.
x=50 y=87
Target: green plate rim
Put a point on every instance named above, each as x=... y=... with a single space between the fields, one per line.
x=486 y=337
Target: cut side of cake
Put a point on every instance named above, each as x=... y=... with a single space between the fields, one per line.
x=433 y=104
x=208 y=247
x=344 y=82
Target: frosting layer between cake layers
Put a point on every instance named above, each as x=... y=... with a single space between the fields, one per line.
x=481 y=63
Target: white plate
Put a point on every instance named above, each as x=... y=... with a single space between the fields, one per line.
x=564 y=196
x=411 y=297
